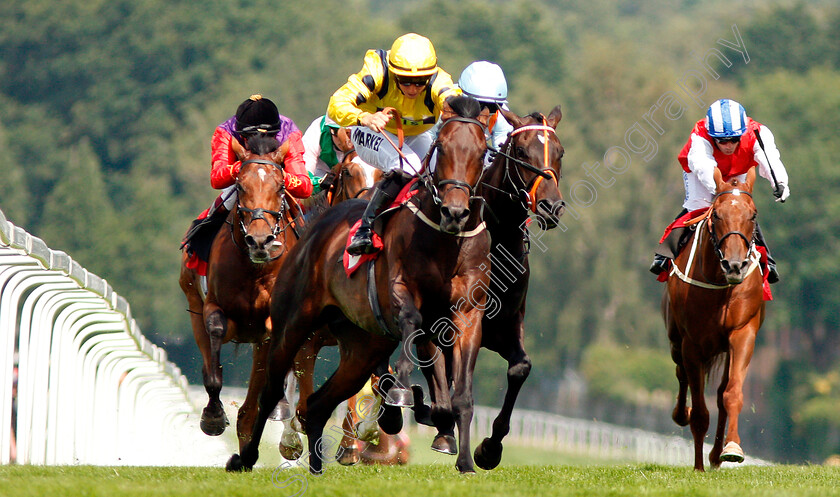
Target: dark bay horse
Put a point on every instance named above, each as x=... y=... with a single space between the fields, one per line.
x=432 y=263
x=713 y=307
x=244 y=260
x=523 y=179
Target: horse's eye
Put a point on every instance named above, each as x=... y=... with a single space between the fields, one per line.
x=239 y=188
x=520 y=152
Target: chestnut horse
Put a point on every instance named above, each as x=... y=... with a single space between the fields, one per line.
x=432 y=264
x=242 y=267
x=522 y=179
x=713 y=307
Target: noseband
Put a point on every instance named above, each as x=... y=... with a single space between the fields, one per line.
x=716 y=242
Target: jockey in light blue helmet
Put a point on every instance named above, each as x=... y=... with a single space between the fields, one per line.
x=485 y=82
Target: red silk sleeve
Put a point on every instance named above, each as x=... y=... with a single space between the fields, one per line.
x=224 y=165
x=297 y=179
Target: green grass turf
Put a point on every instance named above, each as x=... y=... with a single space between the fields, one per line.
x=425 y=480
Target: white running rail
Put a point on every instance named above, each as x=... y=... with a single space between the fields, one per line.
x=91 y=388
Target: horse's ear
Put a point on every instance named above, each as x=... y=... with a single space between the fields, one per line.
x=719 y=179
x=512 y=118
x=237 y=149
x=484 y=117
x=446 y=111
x=750 y=179
x=554 y=118
x=279 y=154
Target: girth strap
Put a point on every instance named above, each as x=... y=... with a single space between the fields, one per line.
x=373 y=300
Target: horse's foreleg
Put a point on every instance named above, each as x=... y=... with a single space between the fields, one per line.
x=248 y=412
x=440 y=414
x=213 y=418
x=488 y=454
x=409 y=320
x=699 y=421
x=717 y=448
x=681 y=413
x=464 y=354
x=358 y=359
x=284 y=345
x=741 y=344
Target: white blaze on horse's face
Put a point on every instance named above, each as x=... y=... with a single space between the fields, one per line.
x=369 y=171
x=262 y=173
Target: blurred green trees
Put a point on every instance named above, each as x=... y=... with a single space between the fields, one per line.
x=107 y=108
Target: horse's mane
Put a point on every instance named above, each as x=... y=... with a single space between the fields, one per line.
x=535 y=116
x=315 y=205
x=465 y=106
x=262 y=143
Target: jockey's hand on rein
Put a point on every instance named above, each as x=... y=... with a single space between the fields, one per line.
x=327 y=181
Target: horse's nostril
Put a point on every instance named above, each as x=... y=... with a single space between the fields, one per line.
x=269 y=240
x=249 y=240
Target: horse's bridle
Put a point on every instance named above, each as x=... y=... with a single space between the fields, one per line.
x=526 y=191
x=716 y=242
x=456 y=184
x=259 y=212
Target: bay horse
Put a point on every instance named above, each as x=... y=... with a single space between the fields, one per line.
x=522 y=179
x=713 y=307
x=431 y=264
x=242 y=267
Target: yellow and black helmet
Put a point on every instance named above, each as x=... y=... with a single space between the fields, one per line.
x=412 y=55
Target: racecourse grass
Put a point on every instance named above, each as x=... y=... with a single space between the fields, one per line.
x=426 y=480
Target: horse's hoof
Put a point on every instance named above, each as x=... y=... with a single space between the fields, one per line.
x=235 y=464
x=291 y=452
x=445 y=444
x=296 y=424
x=466 y=469
x=399 y=397
x=488 y=454
x=732 y=452
x=366 y=432
x=391 y=420
x=281 y=412
x=349 y=456
x=212 y=423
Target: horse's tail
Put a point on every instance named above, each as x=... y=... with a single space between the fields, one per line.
x=716 y=365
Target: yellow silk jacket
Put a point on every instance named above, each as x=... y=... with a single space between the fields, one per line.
x=374 y=88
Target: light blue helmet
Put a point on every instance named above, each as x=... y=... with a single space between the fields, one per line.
x=726 y=119
x=484 y=81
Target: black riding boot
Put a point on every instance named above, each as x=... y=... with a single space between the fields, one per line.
x=383 y=193
x=670 y=247
x=772 y=273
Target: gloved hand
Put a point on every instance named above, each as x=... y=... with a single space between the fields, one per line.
x=327 y=181
x=782 y=192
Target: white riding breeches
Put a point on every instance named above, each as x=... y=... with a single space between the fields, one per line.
x=374 y=149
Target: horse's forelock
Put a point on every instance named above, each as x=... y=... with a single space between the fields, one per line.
x=262 y=144
x=465 y=106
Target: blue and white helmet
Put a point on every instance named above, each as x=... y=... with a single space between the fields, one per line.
x=726 y=119
x=484 y=81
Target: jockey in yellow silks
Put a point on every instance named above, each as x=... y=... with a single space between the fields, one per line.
x=407 y=78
